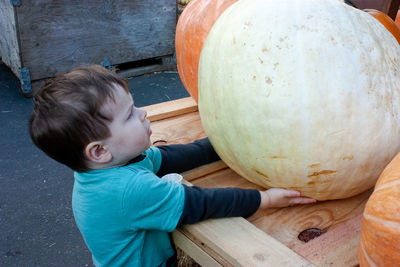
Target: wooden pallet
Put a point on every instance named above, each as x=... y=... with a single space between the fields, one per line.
x=43 y=39
x=269 y=237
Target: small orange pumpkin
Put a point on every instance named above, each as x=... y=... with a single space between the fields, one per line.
x=192 y=29
x=386 y=21
x=380 y=234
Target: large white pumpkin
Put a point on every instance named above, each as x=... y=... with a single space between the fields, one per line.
x=302 y=95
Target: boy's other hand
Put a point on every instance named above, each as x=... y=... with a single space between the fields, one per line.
x=279 y=198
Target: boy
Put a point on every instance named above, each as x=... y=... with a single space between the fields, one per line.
x=86 y=119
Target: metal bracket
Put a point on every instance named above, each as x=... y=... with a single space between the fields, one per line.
x=25 y=77
x=15 y=2
x=106 y=63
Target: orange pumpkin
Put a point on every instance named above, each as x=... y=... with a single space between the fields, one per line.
x=192 y=29
x=386 y=21
x=380 y=234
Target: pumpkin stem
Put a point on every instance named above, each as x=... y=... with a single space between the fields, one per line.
x=350 y=3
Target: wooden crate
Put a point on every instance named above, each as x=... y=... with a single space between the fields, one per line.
x=41 y=39
x=270 y=237
x=389 y=7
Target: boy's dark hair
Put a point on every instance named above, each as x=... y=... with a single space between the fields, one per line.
x=67 y=113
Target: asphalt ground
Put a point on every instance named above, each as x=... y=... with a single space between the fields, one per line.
x=37 y=227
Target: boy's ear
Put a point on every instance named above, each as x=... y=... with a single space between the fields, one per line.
x=96 y=152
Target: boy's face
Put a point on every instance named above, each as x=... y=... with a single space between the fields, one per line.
x=130 y=129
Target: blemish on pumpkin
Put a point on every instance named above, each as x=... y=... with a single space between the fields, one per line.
x=314 y=165
x=277 y=157
x=276 y=65
x=348 y=157
x=259 y=257
x=254 y=78
x=310 y=234
x=260 y=173
x=268 y=80
x=261 y=61
x=324 y=172
x=264 y=49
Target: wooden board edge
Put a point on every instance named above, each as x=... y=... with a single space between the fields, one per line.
x=195 y=252
x=204 y=170
x=240 y=243
x=170 y=109
x=343 y=238
x=391 y=7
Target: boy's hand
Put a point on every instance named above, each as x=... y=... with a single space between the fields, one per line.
x=279 y=198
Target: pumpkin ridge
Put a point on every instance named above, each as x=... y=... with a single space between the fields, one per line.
x=384 y=222
x=381 y=187
x=366 y=256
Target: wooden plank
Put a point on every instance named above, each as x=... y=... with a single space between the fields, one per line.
x=236 y=242
x=9 y=47
x=146 y=66
x=170 y=109
x=337 y=247
x=205 y=248
x=287 y=223
x=330 y=216
x=242 y=244
x=369 y=4
x=56 y=36
x=391 y=7
x=204 y=170
x=190 y=248
x=177 y=130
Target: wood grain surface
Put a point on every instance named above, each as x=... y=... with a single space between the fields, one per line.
x=56 y=36
x=9 y=47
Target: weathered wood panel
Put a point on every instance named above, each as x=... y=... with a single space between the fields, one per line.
x=58 y=35
x=389 y=7
x=372 y=4
x=9 y=49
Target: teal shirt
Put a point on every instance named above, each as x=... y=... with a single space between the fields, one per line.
x=125 y=213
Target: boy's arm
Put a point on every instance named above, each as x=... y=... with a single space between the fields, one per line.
x=204 y=203
x=182 y=157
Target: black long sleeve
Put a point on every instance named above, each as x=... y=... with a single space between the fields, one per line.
x=182 y=157
x=201 y=204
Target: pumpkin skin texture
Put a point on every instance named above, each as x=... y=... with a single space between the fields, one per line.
x=192 y=29
x=302 y=95
x=380 y=232
x=389 y=24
